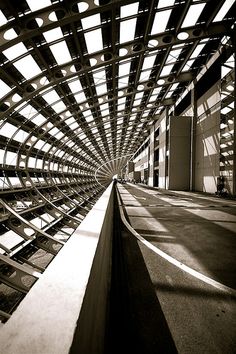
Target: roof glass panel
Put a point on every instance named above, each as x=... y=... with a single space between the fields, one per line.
x=94 y=41
x=166 y=70
x=75 y=86
x=99 y=76
x=21 y=136
x=80 y=97
x=15 y=51
x=124 y=69
x=165 y=3
x=193 y=14
x=173 y=56
x=28 y=111
x=39 y=119
x=123 y=82
x=160 y=21
x=197 y=50
x=149 y=62
x=60 y=52
x=27 y=66
x=127 y=30
x=188 y=65
x=91 y=21
x=3 y=19
x=53 y=34
x=4 y=88
x=59 y=107
x=224 y=9
x=8 y=130
x=36 y=5
x=145 y=75
x=129 y=10
x=51 y=96
x=101 y=89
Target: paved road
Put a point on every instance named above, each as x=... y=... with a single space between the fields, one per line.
x=200 y=232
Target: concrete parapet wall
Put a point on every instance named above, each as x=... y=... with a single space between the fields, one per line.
x=76 y=281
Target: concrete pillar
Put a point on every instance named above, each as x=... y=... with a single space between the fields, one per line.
x=234 y=138
x=193 y=137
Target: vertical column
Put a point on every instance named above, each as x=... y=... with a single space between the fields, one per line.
x=226 y=183
x=167 y=149
x=234 y=118
x=151 y=157
x=193 y=136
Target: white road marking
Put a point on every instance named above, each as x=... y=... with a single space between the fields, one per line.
x=139 y=197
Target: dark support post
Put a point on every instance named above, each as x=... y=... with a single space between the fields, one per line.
x=193 y=137
x=234 y=117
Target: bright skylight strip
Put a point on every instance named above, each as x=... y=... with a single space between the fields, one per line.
x=101 y=89
x=129 y=10
x=188 y=65
x=174 y=86
x=73 y=126
x=3 y=19
x=138 y=95
x=193 y=14
x=153 y=98
x=36 y=5
x=70 y=121
x=89 y=119
x=169 y=94
x=80 y=97
x=173 y=56
x=15 y=51
x=53 y=131
x=75 y=86
x=87 y=113
x=166 y=70
x=99 y=76
x=59 y=107
x=145 y=75
x=160 y=21
x=123 y=82
x=28 y=111
x=224 y=9
x=94 y=41
x=197 y=50
x=121 y=100
x=28 y=67
x=165 y=3
x=104 y=106
x=127 y=30
x=39 y=119
x=4 y=89
x=148 y=62
x=137 y=102
x=105 y=112
x=21 y=135
x=8 y=130
x=60 y=52
x=39 y=144
x=91 y=21
x=124 y=69
x=51 y=97
x=53 y=34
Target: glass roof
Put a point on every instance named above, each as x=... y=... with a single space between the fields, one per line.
x=81 y=82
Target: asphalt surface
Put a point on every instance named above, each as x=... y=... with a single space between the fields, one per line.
x=198 y=231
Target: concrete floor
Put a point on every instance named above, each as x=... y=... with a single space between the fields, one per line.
x=199 y=231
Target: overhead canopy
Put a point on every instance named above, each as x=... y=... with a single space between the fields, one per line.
x=81 y=81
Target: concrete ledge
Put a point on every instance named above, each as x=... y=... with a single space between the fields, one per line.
x=46 y=320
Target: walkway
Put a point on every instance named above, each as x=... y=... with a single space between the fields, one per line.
x=195 y=276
